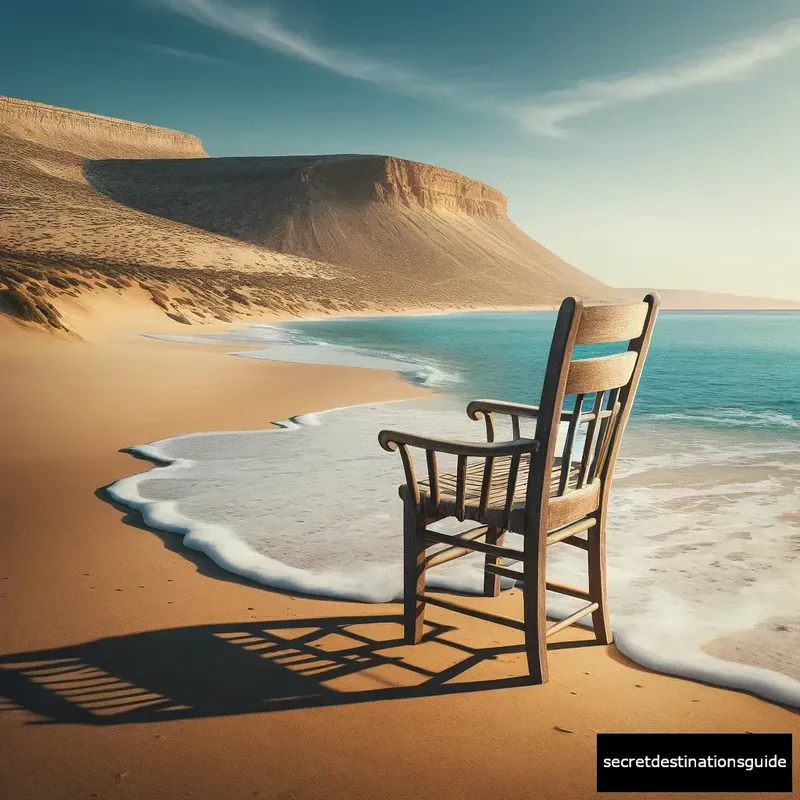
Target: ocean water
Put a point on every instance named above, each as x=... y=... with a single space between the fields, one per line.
x=704 y=528
x=735 y=370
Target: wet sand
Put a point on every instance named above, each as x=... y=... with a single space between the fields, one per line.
x=135 y=668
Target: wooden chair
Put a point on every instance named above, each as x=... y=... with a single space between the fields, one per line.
x=522 y=486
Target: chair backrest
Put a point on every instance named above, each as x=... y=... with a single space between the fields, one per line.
x=604 y=388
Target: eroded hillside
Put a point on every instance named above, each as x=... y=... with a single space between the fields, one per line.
x=410 y=233
x=91 y=203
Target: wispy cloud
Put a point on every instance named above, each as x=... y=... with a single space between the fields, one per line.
x=543 y=115
x=262 y=26
x=546 y=114
x=186 y=55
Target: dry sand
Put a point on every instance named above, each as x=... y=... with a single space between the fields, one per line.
x=133 y=667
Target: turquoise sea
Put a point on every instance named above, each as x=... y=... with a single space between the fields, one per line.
x=704 y=517
x=729 y=370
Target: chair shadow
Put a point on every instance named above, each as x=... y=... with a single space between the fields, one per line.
x=251 y=667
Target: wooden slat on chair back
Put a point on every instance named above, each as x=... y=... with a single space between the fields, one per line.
x=602 y=324
x=590 y=375
x=603 y=387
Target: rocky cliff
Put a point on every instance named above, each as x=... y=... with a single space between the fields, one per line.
x=142 y=204
x=91 y=135
x=411 y=233
x=411 y=183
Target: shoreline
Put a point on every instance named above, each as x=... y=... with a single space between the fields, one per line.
x=101 y=317
x=96 y=316
x=362 y=357
x=86 y=584
x=777 y=687
x=283 y=319
x=749 y=671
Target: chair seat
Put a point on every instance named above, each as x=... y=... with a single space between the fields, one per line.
x=566 y=501
x=496 y=513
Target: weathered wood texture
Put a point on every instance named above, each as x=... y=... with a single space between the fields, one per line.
x=523 y=486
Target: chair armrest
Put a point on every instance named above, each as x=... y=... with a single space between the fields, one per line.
x=478 y=409
x=389 y=440
x=395 y=440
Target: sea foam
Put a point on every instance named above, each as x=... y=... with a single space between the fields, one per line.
x=287 y=344
x=703 y=537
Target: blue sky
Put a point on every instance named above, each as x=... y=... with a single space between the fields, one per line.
x=648 y=143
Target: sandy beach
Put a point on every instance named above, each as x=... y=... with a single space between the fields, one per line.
x=133 y=667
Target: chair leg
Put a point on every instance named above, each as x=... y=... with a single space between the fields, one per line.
x=597 y=581
x=535 y=613
x=491 y=583
x=413 y=574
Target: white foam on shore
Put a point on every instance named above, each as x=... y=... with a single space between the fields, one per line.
x=289 y=345
x=730 y=418
x=312 y=507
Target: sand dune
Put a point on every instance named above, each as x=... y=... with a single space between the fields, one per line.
x=49 y=208
x=91 y=203
x=405 y=231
